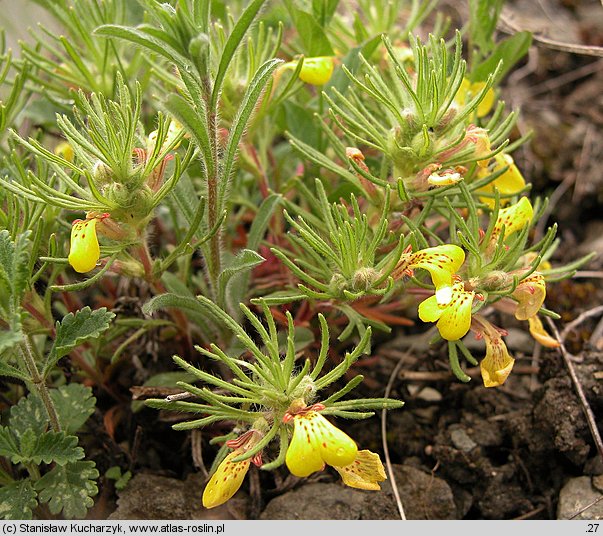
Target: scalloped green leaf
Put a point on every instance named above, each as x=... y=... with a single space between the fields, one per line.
x=48 y=447
x=74 y=404
x=28 y=414
x=69 y=489
x=17 y=500
x=9 y=444
x=75 y=329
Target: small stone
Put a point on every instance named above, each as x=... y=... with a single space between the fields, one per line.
x=577 y=494
x=430 y=394
x=461 y=440
x=149 y=496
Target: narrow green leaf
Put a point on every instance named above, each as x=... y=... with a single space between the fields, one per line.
x=191 y=119
x=14 y=270
x=239 y=124
x=242 y=263
x=8 y=339
x=313 y=37
x=17 y=500
x=69 y=489
x=234 y=40
x=510 y=51
x=74 y=329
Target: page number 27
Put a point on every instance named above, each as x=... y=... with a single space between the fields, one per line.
x=592 y=527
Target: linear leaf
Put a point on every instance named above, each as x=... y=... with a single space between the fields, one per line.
x=234 y=39
x=242 y=263
x=248 y=104
x=14 y=270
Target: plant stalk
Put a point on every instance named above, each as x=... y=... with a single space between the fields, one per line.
x=40 y=384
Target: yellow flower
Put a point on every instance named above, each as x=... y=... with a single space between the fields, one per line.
x=317 y=71
x=468 y=90
x=540 y=335
x=514 y=218
x=530 y=295
x=365 y=472
x=454 y=318
x=497 y=364
x=315 y=442
x=229 y=475
x=85 y=251
x=509 y=183
x=440 y=261
x=65 y=150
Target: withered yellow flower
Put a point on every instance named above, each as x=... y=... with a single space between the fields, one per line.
x=365 y=472
x=229 y=475
x=530 y=295
x=497 y=365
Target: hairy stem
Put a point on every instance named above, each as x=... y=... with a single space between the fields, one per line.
x=38 y=381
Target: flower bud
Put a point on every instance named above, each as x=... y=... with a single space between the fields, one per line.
x=317 y=71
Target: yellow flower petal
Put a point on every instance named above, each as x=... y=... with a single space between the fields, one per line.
x=226 y=481
x=514 y=218
x=497 y=364
x=441 y=262
x=315 y=442
x=509 y=183
x=530 y=294
x=430 y=311
x=85 y=251
x=540 y=335
x=365 y=472
x=468 y=90
x=454 y=318
x=317 y=71
x=65 y=150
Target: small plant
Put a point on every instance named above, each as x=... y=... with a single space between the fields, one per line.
x=204 y=163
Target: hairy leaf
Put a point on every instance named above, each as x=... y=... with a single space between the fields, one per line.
x=17 y=500
x=75 y=329
x=240 y=264
x=14 y=272
x=74 y=404
x=234 y=39
x=48 y=447
x=69 y=489
x=9 y=445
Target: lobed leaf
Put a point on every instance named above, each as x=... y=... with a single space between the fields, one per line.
x=69 y=489
x=17 y=500
x=75 y=329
